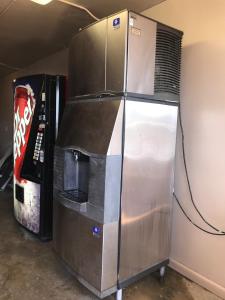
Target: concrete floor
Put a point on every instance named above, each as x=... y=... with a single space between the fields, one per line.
x=29 y=270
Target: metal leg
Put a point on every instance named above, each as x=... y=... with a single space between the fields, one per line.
x=162 y=271
x=119 y=295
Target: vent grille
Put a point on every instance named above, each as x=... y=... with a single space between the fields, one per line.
x=168 y=58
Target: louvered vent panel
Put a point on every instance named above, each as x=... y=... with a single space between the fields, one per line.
x=168 y=57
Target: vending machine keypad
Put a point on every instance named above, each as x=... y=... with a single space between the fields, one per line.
x=38 y=151
x=38 y=155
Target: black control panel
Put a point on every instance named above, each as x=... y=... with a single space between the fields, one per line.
x=39 y=151
x=39 y=140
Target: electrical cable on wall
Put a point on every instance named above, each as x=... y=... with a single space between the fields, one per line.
x=80 y=7
x=9 y=66
x=186 y=215
x=219 y=232
x=6 y=8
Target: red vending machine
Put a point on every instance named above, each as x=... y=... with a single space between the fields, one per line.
x=38 y=106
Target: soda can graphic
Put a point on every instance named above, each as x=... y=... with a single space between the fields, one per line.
x=26 y=193
x=24 y=105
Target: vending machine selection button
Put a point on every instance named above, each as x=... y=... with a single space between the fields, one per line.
x=42 y=156
x=42 y=126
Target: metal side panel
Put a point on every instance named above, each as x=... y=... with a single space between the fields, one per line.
x=116 y=52
x=113 y=170
x=109 y=255
x=141 y=55
x=89 y=248
x=74 y=242
x=149 y=149
x=115 y=145
x=112 y=188
x=87 y=60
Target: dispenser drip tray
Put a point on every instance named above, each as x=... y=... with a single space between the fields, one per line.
x=75 y=195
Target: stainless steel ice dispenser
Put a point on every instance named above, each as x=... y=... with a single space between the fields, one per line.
x=116 y=148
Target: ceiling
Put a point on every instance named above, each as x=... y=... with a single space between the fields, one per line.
x=29 y=31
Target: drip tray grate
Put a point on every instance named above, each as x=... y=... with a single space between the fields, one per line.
x=75 y=195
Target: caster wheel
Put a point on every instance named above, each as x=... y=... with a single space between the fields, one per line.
x=119 y=295
x=162 y=272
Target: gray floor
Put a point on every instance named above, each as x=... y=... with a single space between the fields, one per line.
x=30 y=270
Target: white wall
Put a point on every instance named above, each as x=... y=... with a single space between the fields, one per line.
x=194 y=253
x=54 y=64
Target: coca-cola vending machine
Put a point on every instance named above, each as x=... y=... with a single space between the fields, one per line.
x=38 y=106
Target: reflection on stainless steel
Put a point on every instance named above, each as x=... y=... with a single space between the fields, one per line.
x=115 y=145
x=132 y=219
x=91 y=257
x=141 y=63
x=149 y=148
x=90 y=69
x=97 y=120
x=116 y=44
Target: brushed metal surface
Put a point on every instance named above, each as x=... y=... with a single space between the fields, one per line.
x=96 y=132
x=87 y=60
x=121 y=54
x=109 y=255
x=115 y=145
x=141 y=55
x=116 y=52
x=112 y=188
x=92 y=257
x=88 y=125
x=150 y=136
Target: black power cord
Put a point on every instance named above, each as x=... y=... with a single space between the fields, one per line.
x=189 y=219
x=219 y=232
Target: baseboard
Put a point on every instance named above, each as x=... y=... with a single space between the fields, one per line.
x=196 y=277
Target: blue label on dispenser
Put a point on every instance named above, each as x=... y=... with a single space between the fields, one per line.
x=96 y=230
x=116 y=22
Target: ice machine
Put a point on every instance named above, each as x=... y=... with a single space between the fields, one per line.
x=114 y=156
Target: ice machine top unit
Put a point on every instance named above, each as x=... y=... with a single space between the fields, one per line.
x=114 y=157
x=126 y=53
